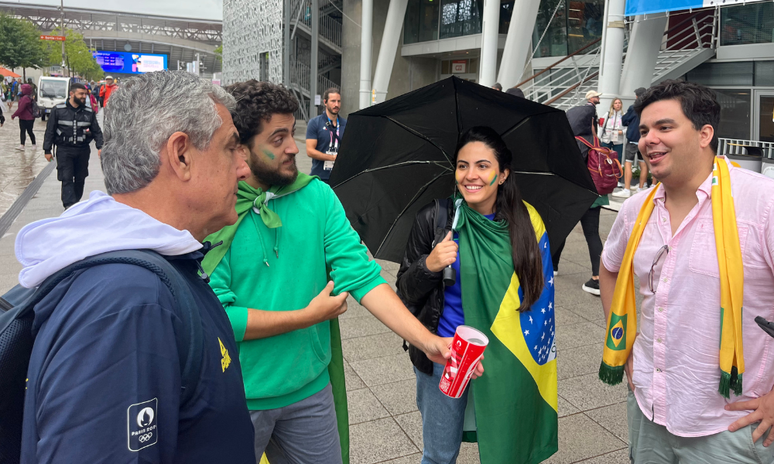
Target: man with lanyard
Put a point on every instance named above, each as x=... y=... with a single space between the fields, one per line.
x=699 y=370
x=323 y=135
x=71 y=127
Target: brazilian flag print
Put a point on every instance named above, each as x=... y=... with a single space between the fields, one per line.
x=616 y=336
x=516 y=398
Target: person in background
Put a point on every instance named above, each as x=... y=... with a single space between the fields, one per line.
x=584 y=123
x=501 y=257
x=632 y=122
x=612 y=129
x=93 y=101
x=107 y=89
x=324 y=134
x=26 y=119
x=497 y=87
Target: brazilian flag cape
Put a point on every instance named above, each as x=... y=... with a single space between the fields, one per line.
x=247 y=198
x=516 y=400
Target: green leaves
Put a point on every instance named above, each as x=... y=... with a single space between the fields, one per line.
x=20 y=44
x=78 y=56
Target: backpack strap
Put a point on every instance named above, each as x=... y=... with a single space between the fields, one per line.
x=190 y=344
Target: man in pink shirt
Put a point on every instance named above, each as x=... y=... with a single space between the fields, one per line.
x=675 y=411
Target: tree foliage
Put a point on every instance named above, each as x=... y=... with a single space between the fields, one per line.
x=219 y=52
x=78 y=57
x=20 y=44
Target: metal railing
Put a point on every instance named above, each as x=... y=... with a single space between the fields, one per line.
x=738 y=147
x=563 y=84
x=330 y=28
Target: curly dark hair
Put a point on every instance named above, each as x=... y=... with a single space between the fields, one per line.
x=256 y=103
x=699 y=104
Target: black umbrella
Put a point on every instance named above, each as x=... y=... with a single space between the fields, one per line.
x=397 y=156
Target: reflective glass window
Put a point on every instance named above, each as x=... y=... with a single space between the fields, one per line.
x=715 y=74
x=461 y=17
x=421 y=22
x=735 y=107
x=764 y=73
x=747 y=24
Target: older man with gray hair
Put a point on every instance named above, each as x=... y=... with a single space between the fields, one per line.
x=106 y=382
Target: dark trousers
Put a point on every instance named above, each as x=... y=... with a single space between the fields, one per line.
x=590 y=224
x=25 y=127
x=72 y=166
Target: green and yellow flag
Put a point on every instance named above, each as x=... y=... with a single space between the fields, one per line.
x=516 y=400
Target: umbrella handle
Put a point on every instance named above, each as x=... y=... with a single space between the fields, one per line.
x=449 y=276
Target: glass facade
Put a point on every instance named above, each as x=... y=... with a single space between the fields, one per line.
x=766 y=118
x=575 y=25
x=433 y=19
x=735 y=108
x=747 y=24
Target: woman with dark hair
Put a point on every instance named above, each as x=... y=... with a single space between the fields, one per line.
x=498 y=248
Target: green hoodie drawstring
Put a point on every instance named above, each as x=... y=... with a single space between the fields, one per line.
x=260 y=238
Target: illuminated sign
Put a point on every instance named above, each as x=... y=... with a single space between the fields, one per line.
x=130 y=63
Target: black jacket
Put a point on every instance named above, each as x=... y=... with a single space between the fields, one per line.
x=420 y=289
x=70 y=127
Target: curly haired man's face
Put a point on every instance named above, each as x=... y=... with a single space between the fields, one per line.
x=272 y=158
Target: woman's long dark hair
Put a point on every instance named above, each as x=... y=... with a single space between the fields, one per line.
x=509 y=206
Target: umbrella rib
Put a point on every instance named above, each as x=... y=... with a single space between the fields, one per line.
x=421 y=136
x=400 y=215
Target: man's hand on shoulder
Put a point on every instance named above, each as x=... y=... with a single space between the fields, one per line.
x=762 y=411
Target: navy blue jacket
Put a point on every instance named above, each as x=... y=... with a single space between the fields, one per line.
x=632 y=122
x=319 y=130
x=104 y=376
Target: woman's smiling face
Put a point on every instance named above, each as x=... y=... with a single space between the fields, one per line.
x=478 y=175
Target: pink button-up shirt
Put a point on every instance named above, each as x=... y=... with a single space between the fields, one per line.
x=676 y=373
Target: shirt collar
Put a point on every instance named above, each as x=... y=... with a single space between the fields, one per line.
x=703 y=192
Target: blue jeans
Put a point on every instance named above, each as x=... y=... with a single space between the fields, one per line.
x=442 y=418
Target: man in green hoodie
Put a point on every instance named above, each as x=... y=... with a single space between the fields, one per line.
x=271 y=274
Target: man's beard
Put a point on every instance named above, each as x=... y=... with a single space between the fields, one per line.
x=271 y=176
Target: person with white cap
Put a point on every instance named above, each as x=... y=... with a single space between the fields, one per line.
x=107 y=89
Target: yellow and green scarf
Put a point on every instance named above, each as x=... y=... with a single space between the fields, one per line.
x=622 y=320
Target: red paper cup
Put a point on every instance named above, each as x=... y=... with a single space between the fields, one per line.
x=467 y=349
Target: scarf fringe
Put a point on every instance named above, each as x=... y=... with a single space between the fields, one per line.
x=730 y=382
x=611 y=375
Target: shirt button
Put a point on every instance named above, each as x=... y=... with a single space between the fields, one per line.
x=658 y=370
x=658 y=340
x=666 y=280
x=660 y=309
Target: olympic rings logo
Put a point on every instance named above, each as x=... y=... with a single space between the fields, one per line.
x=146 y=437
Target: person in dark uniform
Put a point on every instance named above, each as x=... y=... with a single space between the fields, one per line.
x=71 y=127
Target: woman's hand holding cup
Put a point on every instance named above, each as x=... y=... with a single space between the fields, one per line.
x=444 y=254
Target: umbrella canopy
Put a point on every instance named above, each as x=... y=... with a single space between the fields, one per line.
x=398 y=156
x=8 y=73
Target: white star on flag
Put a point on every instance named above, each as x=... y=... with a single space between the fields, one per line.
x=550 y=306
x=530 y=319
x=543 y=310
x=543 y=336
x=551 y=282
x=526 y=332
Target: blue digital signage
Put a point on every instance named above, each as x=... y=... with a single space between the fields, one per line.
x=130 y=63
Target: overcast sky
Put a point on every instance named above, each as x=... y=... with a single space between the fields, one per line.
x=200 y=9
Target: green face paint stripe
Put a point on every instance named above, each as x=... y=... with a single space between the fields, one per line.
x=493 y=180
x=268 y=154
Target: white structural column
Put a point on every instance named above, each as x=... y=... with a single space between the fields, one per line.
x=612 y=53
x=517 y=42
x=366 y=31
x=390 y=39
x=313 y=63
x=641 y=56
x=489 y=34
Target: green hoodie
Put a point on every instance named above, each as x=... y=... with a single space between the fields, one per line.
x=282 y=269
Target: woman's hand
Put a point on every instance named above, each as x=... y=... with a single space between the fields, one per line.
x=444 y=254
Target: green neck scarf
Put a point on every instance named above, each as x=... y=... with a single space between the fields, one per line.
x=250 y=198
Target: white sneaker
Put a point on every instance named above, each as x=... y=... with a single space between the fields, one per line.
x=20 y=148
x=625 y=193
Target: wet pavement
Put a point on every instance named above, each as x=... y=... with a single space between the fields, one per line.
x=18 y=168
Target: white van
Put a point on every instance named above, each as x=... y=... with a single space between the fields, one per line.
x=51 y=92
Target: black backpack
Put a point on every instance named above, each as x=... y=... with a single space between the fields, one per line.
x=16 y=339
x=37 y=111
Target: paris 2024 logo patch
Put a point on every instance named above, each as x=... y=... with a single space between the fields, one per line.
x=142 y=424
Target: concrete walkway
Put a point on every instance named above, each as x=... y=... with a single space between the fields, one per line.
x=385 y=424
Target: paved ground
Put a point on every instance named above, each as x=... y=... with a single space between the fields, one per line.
x=385 y=424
